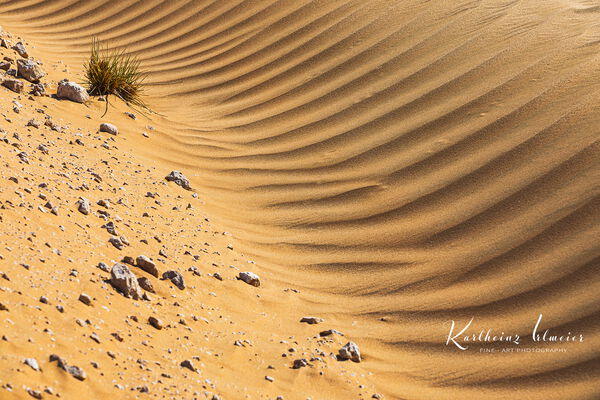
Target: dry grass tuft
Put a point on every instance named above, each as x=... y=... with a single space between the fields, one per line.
x=114 y=73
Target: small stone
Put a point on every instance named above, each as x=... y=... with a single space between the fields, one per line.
x=147 y=265
x=155 y=322
x=71 y=91
x=299 y=363
x=20 y=48
x=269 y=378
x=109 y=128
x=35 y=123
x=13 y=84
x=76 y=372
x=94 y=336
x=179 y=179
x=350 y=351
x=37 y=89
x=34 y=393
x=250 y=278
x=128 y=260
x=30 y=70
x=83 y=206
x=115 y=241
x=125 y=281
x=103 y=203
x=43 y=300
x=146 y=284
x=32 y=362
x=189 y=365
x=329 y=332
x=311 y=320
x=176 y=278
x=103 y=267
x=85 y=299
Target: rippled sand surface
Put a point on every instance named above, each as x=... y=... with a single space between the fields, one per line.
x=405 y=163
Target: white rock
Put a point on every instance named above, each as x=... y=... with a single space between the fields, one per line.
x=250 y=278
x=84 y=205
x=350 y=351
x=110 y=128
x=30 y=70
x=125 y=281
x=72 y=91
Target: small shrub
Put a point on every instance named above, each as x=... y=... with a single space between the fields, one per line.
x=114 y=73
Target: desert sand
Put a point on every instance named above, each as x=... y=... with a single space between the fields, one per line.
x=386 y=166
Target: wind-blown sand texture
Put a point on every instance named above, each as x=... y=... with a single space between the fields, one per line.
x=401 y=163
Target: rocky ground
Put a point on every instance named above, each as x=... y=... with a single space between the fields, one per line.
x=113 y=282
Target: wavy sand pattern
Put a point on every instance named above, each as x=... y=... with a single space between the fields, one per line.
x=418 y=161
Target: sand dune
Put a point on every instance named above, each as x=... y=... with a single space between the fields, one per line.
x=419 y=162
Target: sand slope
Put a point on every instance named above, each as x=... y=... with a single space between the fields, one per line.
x=418 y=161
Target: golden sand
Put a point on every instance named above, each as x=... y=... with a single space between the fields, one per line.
x=401 y=164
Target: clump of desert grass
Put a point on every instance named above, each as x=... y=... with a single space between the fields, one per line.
x=114 y=73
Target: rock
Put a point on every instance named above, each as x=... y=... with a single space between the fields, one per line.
x=30 y=70
x=147 y=265
x=128 y=260
x=32 y=362
x=103 y=267
x=83 y=206
x=34 y=393
x=4 y=65
x=269 y=378
x=146 y=284
x=37 y=89
x=94 y=336
x=23 y=156
x=103 y=203
x=155 y=322
x=109 y=128
x=13 y=84
x=33 y=122
x=85 y=299
x=75 y=371
x=299 y=363
x=116 y=241
x=125 y=281
x=329 y=332
x=350 y=351
x=20 y=48
x=71 y=91
x=176 y=278
x=110 y=228
x=250 y=278
x=43 y=300
x=3 y=307
x=311 y=320
x=179 y=179
x=188 y=364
